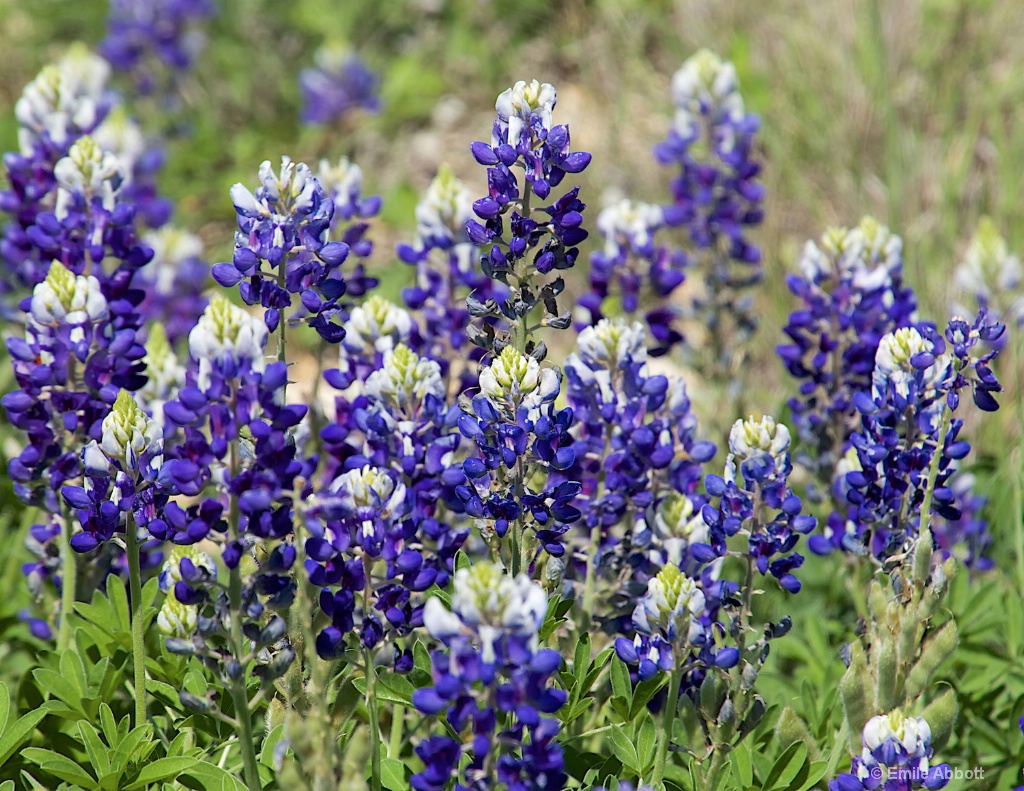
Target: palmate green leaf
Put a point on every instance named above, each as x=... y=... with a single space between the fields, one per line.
x=392 y=775
x=385 y=693
x=621 y=685
x=5 y=706
x=811 y=774
x=60 y=766
x=7 y=785
x=643 y=693
x=270 y=741
x=163 y=769
x=109 y=725
x=95 y=748
x=19 y=732
x=624 y=749
x=646 y=741
x=209 y=778
x=60 y=687
x=742 y=768
x=786 y=768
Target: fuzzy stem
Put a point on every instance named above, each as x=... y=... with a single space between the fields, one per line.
x=671 y=704
x=68 y=580
x=589 y=585
x=133 y=547
x=933 y=474
x=1018 y=479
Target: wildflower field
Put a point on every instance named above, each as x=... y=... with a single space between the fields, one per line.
x=476 y=394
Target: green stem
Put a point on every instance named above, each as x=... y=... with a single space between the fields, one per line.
x=68 y=580
x=132 y=546
x=397 y=728
x=714 y=770
x=373 y=716
x=589 y=584
x=1018 y=479
x=246 y=743
x=671 y=704
x=933 y=474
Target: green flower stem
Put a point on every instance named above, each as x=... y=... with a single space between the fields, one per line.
x=246 y=743
x=933 y=474
x=373 y=717
x=132 y=548
x=397 y=730
x=671 y=704
x=1018 y=479
x=589 y=584
x=68 y=577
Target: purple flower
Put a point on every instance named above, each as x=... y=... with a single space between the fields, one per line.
x=340 y=83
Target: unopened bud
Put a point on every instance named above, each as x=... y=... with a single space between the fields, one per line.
x=935 y=651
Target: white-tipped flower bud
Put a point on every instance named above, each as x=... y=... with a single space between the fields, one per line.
x=67 y=298
x=226 y=333
x=128 y=433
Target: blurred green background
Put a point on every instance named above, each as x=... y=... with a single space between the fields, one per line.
x=910 y=111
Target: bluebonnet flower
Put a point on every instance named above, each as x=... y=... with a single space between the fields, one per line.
x=285 y=225
x=79 y=348
x=897 y=756
x=992 y=275
x=235 y=476
x=716 y=195
x=492 y=683
x=143 y=158
x=667 y=621
x=120 y=472
x=64 y=102
x=249 y=451
x=522 y=441
x=523 y=135
x=884 y=478
x=852 y=294
x=397 y=440
x=447 y=271
x=174 y=279
x=374 y=327
x=155 y=41
x=339 y=83
x=755 y=500
x=638 y=459
x=630 y=264
x=343 y=184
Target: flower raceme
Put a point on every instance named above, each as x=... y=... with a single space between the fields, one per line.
x=897 y=753
x=493 y=680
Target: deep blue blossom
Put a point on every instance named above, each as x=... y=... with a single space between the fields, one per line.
x=282 y=249
x=896 y=757
x=852 y=294
x=447 y=273
x=883 y=478
x=339 y=83
x=155 y=41
x=631 y=265
x=716 y=194
x=491 y=682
